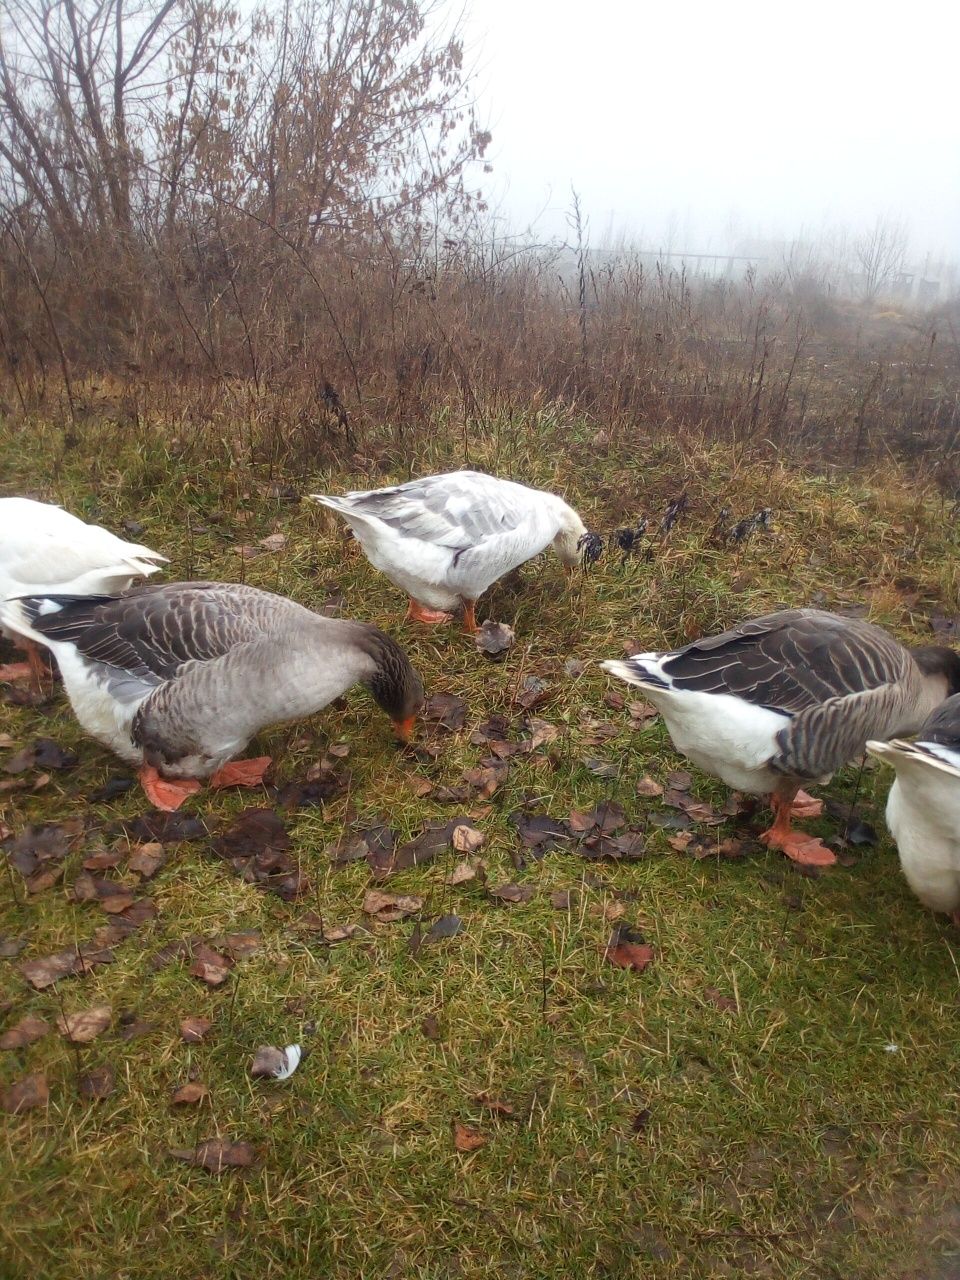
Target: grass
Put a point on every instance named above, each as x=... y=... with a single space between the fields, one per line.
x=655 y=1133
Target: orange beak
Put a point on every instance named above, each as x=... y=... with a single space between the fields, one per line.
x=404 y=728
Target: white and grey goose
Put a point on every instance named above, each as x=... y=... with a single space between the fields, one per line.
x=445 y=539
x=786 y=699
x=923 y=807
x=46 y=549
x=178 y=677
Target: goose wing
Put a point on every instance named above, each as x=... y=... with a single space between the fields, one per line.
x=153 y=632
x=457 y=511
x=790 y=661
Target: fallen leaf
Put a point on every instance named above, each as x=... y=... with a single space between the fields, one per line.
x=467 y=1139
x=273 y=542
x=256 y=845
x=132 y=1028
x=533 y=693
x=187 y=1095
x=10 y=947
x=627 y=949
x=680 y=841
x=112 y=788
x=210 y=966
x=445 y=711
x=388 y=907
x=97 y=1084
x=50 y=969
x=601 y=768
x=139 y=912
x=247 y=552
x=117 y=903
x=241 y=944
x=641 y=1120
x=279 y=1064
x=217 y=1154
x=538 y=831
x=29 y=1029
x=721 y=1001
x=430 y=1027
x=542 y=733
x=435 y=837
x=447 y=926
x=164 y=828
x=495 y=639
x=194 y=1028
x=680 y=779
x=496 y=1105
x=25 y=1094
x=86 y=1024
x=147 y=860
x=20 y=761
x=512 y=892
x=467 y=839
x=641 y=712
x=102 y=860
x=50 y=755
x=647 y=787
x=460 y=874
x=563 y=899
x=573 y=668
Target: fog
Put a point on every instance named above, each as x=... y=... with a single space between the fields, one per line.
x=703 y=125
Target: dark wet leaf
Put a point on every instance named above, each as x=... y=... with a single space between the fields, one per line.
x=946 y=629
x=194 y=1028
x=25 y=1094
x=601 y=768
x=445 y=711
x=446 y=927
x=311 y=792
x=496 y=729
x=135 y=913
x=605 y=819
x=860 y=833
x=512 y=892
x=10 y=947
x=48 y=754
x=348 y=848
x=20 y=762
x=669 y=821
x=538 y=831
x=102 y=860
x=430 y=1027
x=627 y=847
x=240 y=945
x=627 y=949
x=35 y=847
x=424 y=847
x=29 y=1029
x=495 y=638
x=112 y=788
x=563 y=899
x=97 y=1084
x=132 y=1027
x=680 y=780
x=467 y=1139
x=217 y=1154
x=256 y=845
x=164 y=828
x=641 y=1121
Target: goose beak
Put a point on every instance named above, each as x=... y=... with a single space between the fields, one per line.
x=404 y=728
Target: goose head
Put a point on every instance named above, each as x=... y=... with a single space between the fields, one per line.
x=395 y=685
x=940 y=664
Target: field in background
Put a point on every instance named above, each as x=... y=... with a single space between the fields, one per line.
x=774 y=1095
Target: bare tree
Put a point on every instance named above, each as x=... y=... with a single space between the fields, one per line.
x=880 y=254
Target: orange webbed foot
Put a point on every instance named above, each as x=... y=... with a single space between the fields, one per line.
x=805 y=806
x=417 y=612
x=167 y=794
x=242 y=773
x=470 y=618
x=16 y=671
x=805 y=850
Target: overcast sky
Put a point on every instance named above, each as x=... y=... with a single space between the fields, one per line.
x=716 y=118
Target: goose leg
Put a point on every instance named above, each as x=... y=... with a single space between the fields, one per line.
x=15 y=671
x=469 y=618
x=417 y=612
x=167 y=794
x=805 y=806
x=804 y=849
x=34 y=667
x=242 y=773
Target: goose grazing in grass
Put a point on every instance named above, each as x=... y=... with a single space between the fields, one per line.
x=787 y=699
x=178 y=677
x=45 y=549
x=445 y=539
x=923 y=808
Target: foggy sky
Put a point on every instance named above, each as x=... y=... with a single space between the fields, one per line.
x=705 y=122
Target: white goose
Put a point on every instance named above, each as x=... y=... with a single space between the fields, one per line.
x=923 y=808
x=45 y=549
x=445 y=539
x=177 y=678
x=788 y=698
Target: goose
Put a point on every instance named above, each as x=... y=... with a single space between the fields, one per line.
x=787 y=699
x=45 y=549
x=923 y=807
x=445 y=539
x=176 y=678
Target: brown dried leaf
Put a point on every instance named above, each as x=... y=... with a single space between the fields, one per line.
x=628 y=950
x=97 y=1084
x=430 y=1027
x=512 y=892
x=194 y=1028
x=210 y=966
x=445 y=711
x=496 y=1105
x=26 y=1031
x=563 y=899
x=721 y=1001
x=86 y=1024
x=467 y=839
x=647 y=787
x=102 y=860
x=273 y=542
x=495 y=638
x=641 y=712
x=186 y=1095
x=466 y=1139
x=217 y=1154
x=460 y=874
x=388 y=907
x=25 y=1094
x=147 y=859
